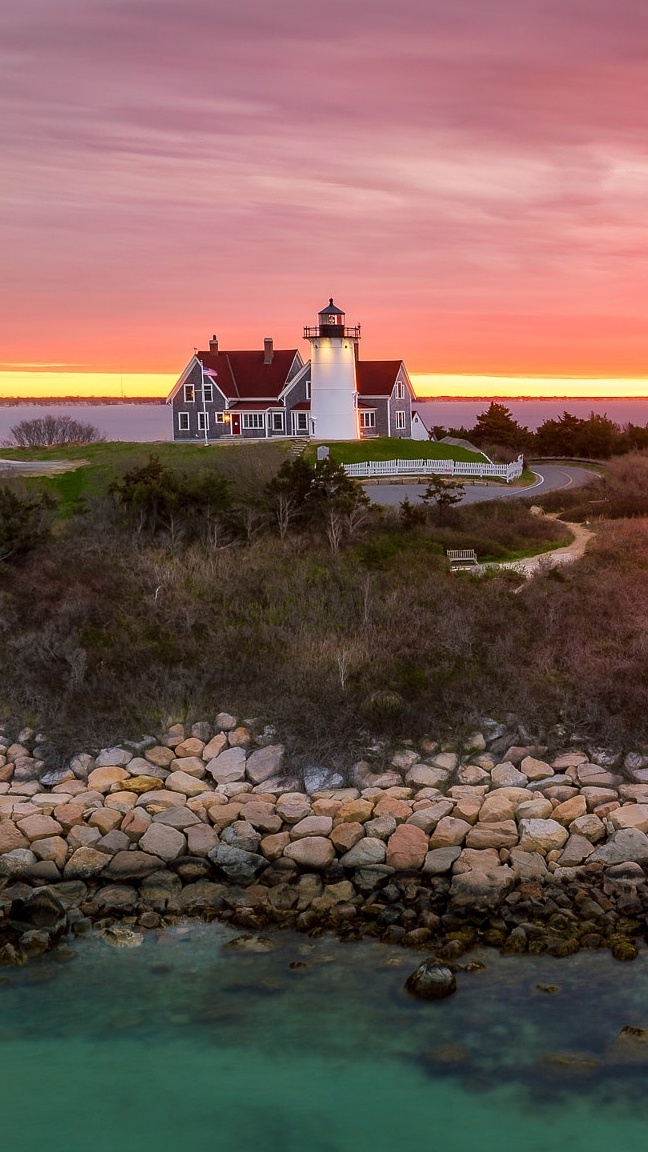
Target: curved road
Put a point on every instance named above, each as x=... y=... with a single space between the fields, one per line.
x=549 y=478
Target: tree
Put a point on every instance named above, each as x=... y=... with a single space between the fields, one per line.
x=497 y=426
x=25 y=522
x=309 y=494
x=157 y=498
x=54 y=432
x=444 y=494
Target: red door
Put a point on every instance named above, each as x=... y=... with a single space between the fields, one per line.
x=236 y=424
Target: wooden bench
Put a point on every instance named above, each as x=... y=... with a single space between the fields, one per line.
x=458 y=557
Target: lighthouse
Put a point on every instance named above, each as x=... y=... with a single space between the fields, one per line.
x=334 y=411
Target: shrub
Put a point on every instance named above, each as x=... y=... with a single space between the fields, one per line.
x=54 y=431
x=25 y=522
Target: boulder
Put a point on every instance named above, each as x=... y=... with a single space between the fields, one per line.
x=431 y=981
x=265 y=763
x=576 y=851
x=11 y=837
x=440 y=860
x=85 y=863
x=571 y=809
x=589 y=826
x=113 y=758
x=344 y=836
x=101 y=779
x=229 y=766
x=159 y=756
x=424 y=776
x=505 y=775
x=131 y=865
x=317 y=779
x=497 y=834
x=241 y=835
x=627 y=844
x=38 y=827
x=407 y=848
x=365 y=853
x=163 y=841
x=311 y=852
x=293 y=807
x=536 y=769
x=449 y=832
x=261 y=816
x=184 y=784
x=239 y=866
x=628 y=816
x=201 y=838
x=312 y=826
x=17 y=862
x=482 y=890
x=192 y=765
x=52 y=848
x=542 y=835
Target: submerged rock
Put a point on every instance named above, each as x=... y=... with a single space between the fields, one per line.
x=431 y=981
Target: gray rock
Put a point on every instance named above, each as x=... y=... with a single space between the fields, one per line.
x=113 y=842
x=241 y=834
x=366 y=852
x=225 y=722
x=506 y=775
x=85 y=863
x=318 y=779
x=179 y=817
x=628 y=844
x=17 y=862
x=163 y=841
x=576 y=850
x=227 y=767
x=113 y=758
x=265 y=763
x=440 y=860
x=236 y=864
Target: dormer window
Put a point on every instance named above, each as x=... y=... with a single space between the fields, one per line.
x=189 y=396
x=400 y=390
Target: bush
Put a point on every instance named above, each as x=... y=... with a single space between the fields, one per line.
x=54 y=432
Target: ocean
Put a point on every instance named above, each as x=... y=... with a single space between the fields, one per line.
x=188 y=1043
x=149 y=422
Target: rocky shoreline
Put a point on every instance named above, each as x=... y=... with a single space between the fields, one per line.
x=495 y=842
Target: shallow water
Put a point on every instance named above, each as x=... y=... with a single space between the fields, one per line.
x=186 y=1044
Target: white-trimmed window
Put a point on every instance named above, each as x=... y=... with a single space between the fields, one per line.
x=208 y=393
x=220 y=417
x=277 y=421
x=400 y=420
x=189 y=395
x=253 y=420
x=183 y=421
x=367 y=419
x=302 y=421
x=400 y=392
x=203 y=421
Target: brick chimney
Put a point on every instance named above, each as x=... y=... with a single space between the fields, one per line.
x=213 y=344
x=268 y=350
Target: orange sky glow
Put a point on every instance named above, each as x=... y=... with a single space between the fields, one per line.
x=468 y=180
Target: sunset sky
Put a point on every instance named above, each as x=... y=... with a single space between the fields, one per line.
x=469 y=179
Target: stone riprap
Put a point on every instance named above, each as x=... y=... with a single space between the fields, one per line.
x=438 y=848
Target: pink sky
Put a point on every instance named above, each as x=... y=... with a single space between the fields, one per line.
x=468 y=178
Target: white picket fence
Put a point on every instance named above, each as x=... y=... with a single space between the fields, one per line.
x=371 y=468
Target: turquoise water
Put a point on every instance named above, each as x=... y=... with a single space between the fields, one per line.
x=187 y=1044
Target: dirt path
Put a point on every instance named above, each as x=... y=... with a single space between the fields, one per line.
x=39 y=467
x=564 y=555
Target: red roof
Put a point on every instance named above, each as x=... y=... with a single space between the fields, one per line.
x=377 y=377
x=244 y=375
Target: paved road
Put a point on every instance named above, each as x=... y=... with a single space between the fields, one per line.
x=549 y=478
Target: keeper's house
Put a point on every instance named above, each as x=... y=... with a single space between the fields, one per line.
x=273 y=392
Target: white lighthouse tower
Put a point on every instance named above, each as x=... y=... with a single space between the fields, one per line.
x=334 y=411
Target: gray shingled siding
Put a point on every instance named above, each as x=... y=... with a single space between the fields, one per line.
x=179 y=404
x=405 y=406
